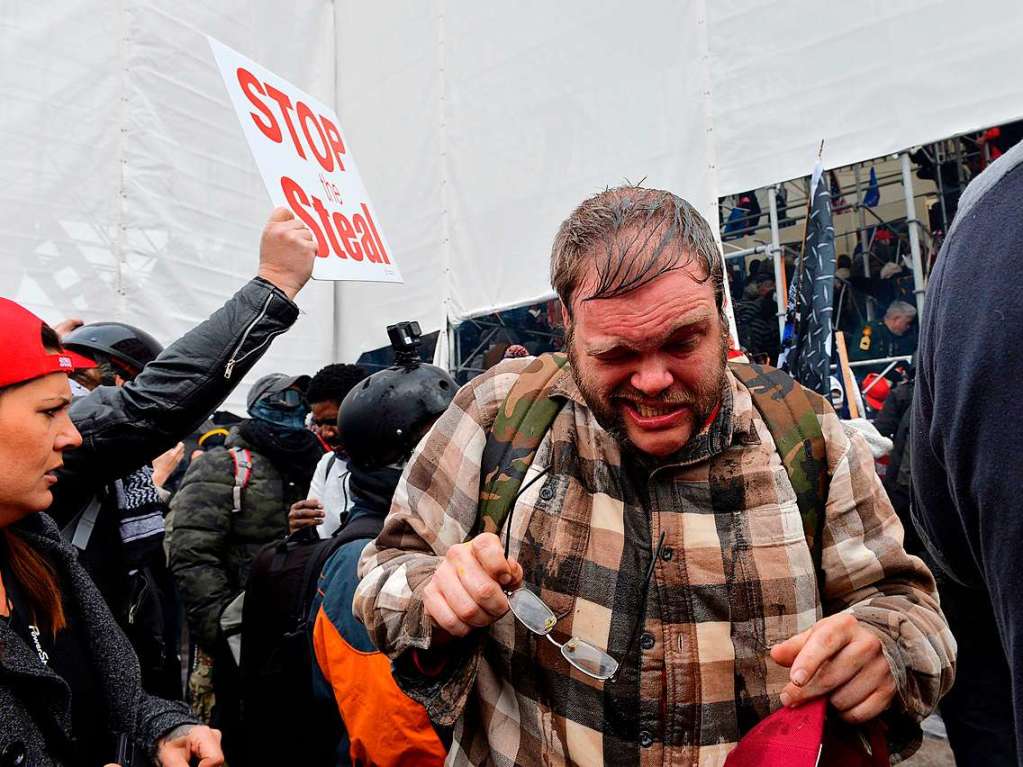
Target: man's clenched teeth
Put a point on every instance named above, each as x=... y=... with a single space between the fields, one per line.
x=646 y=410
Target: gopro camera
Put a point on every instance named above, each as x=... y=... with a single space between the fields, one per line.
x=405 y=340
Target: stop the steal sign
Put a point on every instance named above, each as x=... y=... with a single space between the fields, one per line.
x=307 y=166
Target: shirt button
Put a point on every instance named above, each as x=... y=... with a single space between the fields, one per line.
x=647 y=641
x=667 y=553
x=546 y=493
x=646 y=739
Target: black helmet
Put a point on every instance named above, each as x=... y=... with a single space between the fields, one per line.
x=383 y=418
x=122 y=343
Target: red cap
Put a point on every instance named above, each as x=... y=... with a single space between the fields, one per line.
x=23 y=354
x=797 y=737
x=879 y=392
x=790 y=737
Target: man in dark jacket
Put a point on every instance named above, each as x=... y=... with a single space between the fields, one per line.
x=380 y=424
x=124 y=428
x=889 y=337
x=894 y=422
x=756 y=318
x=232 y=501
x=967 y=462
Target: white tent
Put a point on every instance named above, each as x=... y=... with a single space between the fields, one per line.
x=128 y=190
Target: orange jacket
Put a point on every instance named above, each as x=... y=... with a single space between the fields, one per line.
x=384 y=726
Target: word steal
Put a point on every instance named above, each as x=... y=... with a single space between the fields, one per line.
x=307 y=166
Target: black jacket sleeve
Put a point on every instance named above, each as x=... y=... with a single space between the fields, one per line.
x=125 y=428
x=895 y=406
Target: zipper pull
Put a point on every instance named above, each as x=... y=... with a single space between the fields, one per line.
x=229 y=369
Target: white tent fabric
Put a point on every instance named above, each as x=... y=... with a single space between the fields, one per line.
x=869 y=78
x=525 y=111
x=506 y=119
x=129 y=191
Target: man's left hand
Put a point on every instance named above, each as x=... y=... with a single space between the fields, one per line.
x=840 y=658
x=180 y=746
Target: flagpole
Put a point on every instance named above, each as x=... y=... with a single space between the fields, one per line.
x=864 y=243
x=914 y=234
x=847 y=376
x=781 y=290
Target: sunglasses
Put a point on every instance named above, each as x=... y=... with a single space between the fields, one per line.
x=287 y=399
x=533 y=613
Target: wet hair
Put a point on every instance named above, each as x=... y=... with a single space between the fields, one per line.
x=34 y=573
x=332 y=383
x=632 y=236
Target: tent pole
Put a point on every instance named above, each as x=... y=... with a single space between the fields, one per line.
x=780 y=293
x=452 y=362
x=914 y=234
x=864 y=242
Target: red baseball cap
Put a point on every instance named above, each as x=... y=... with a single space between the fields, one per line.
x=877 y=393
x=790 y=737
x=21 y=346
x=802 y=737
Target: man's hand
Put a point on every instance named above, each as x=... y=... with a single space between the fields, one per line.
x=308 y=513
x=467 y=590
x=286 y=252
x=840 y=658
x=165 y=464
x=64 y=327
x=180 y=746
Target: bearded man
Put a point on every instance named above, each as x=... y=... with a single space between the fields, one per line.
x=665 y=598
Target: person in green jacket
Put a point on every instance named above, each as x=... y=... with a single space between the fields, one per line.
x=232 y=501
x=892 y=336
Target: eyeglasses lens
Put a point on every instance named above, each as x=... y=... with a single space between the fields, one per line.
x=530 y=609
x=589 y=659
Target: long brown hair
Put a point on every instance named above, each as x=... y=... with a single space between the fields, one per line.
x=35 y=575
x=38 y=581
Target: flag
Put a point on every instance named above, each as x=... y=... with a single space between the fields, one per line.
x=812 y=292
x=744 y=216
x=838 y=201
x=873 y=194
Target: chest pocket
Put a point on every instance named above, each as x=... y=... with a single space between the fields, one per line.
x=549 y=537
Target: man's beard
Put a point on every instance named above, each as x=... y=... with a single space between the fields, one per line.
x=701 y=400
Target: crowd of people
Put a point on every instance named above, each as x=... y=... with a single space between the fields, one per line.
x=892 y=335
x=639 y=550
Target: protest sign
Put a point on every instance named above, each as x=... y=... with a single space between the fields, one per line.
x=308 y=167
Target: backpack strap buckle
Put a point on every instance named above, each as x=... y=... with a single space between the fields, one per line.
x=242 y=458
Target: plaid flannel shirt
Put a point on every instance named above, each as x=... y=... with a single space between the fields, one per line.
x=735 y=577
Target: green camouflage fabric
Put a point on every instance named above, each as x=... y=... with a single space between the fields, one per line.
x=793 y=424
x=522 y=421
x=200 y=687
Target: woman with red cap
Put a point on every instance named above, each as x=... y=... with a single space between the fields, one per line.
x=70 y=690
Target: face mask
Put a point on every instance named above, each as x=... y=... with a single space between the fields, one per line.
x=278 y=411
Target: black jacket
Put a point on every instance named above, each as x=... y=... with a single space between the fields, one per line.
x=124 y=428
x=967 y=410
x=757 y=322
x=35 y=703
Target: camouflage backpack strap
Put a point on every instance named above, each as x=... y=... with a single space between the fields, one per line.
x=521 y=423
x=792 y=421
